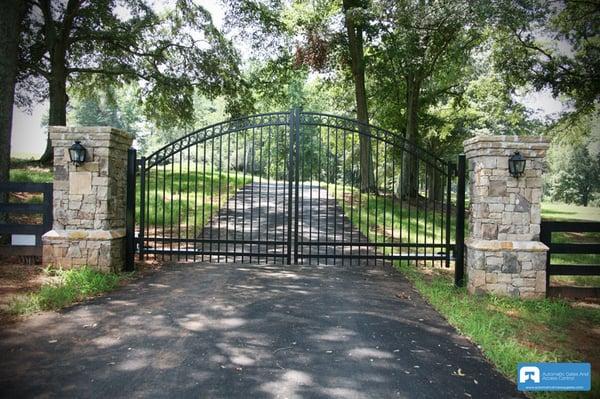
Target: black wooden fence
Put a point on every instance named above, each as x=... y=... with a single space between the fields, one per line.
x=549 y=227
x=12 y=222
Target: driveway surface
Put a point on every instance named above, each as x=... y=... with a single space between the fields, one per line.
x=330 y=329
x=244 y=331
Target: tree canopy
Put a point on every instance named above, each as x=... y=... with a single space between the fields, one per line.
x=433 y=72
x=90 y=45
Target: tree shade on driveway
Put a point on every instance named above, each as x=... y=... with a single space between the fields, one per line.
x=226 y=330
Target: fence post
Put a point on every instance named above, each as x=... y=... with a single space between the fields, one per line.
x=459 y=258
x=143 y=207
x=546 y=238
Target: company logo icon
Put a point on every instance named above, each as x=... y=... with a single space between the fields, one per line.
x=529 y=373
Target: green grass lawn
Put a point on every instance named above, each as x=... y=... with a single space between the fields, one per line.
x=567 y=212
x=377 y=216
x=31 y=175
x=67 y=287
x=181 y=200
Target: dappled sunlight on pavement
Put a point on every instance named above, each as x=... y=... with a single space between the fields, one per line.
x=200 y=330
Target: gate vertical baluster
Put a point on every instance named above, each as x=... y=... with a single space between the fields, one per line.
x=409 y=163
x=376 y=194
x=212 y=196
x=318 y=179
x=228 y=182
x=328 y=180
x=260 y=176
x=351 y=205
x=237 y=191
x=291 y=175
x=267 y=169
x=156 y=217
x=434 y=194
x=252 y=155
x=393 y=204
x=448 y=211
x=142 y=207
x=219 y=199
x=385 y=177
x=187 y=207
x=297 y=163
x=417 y=205
x=426 y=210
x=204 y=243
x=443 y=216
x=179 y=206
x=401 y=190
x=459 y=266
x=172 y=207
x=195 y=199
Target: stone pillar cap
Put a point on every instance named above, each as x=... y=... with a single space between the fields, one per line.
x=513 y=143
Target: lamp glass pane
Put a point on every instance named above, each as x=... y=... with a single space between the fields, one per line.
x=511 y=166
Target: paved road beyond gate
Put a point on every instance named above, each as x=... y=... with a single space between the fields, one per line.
x=284 y=186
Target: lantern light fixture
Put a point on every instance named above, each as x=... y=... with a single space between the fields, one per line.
x=77 y=153
x=516 y=165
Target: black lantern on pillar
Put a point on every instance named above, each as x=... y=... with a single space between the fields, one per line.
x=77 y=152
x=516 y=165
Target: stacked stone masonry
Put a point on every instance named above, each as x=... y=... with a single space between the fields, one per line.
x=89 y=200
x=504 y=255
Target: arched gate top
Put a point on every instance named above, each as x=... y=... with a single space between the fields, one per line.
x=316 y=119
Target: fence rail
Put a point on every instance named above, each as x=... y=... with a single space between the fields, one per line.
x=8 y=209
x=579 y=269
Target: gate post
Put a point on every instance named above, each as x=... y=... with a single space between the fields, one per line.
x=504 y=252
x=130 y=210
x=459 y=253
x=89 y=200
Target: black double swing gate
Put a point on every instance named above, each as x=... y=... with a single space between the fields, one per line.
x=293 y=187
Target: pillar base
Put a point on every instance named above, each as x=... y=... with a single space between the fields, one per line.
x=103 y=250
x=507 y=268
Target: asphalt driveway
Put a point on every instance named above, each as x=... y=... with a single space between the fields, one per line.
x=245 y=331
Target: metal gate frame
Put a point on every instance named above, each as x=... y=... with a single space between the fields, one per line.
x=297 y=119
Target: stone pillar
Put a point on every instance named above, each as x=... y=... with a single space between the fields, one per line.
x=89 y=200
x=504 y=254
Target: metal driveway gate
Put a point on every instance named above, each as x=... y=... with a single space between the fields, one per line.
x=289 y=186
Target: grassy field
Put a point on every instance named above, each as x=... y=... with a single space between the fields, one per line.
x=565 y=212
x=178 y=200
x=382 y=217
x=31 y=175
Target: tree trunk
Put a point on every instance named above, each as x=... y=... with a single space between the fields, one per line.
x=408 y=186
x=435 y=190
x=58 y=98
x=355 y=43
x=11 y=17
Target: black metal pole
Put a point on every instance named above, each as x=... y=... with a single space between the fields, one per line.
x=459 y=252
x=142 y=207
x=297 y=182
x=130 y=211
x=546 y=238
x=290 y=185
x=450 y=173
